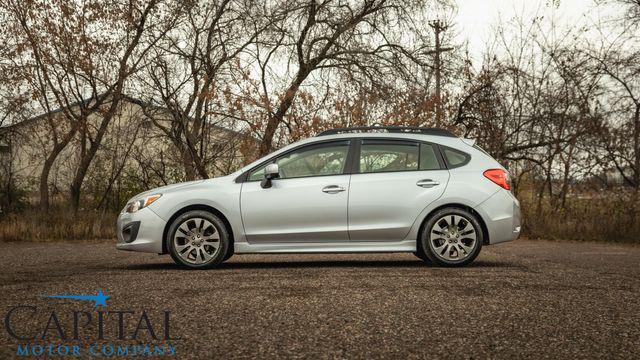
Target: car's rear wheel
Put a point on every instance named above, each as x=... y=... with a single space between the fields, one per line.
x=452 y=237
x=198 y=239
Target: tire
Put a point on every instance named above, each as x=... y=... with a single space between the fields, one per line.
x=452 y=237
x=198 y=239
x=420 y=254
x=228 y=255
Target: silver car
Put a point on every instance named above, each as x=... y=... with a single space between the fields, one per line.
x=372 y=189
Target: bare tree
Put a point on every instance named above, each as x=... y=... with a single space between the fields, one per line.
x=616 y=59
x=188 y=72
x=74 y=68
x=364 y=38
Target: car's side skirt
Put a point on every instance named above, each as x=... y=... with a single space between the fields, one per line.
x=327 y=247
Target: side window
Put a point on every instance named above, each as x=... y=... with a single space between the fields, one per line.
x=428 y=158
x=258 y=174
x=454 y=157
x=383 y=156
x=313 y=160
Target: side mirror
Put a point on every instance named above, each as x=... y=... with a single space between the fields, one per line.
x=270 y=172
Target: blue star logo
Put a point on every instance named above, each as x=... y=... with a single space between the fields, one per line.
x=99 y=299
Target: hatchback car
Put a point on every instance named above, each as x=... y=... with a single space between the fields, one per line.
x=366 y=189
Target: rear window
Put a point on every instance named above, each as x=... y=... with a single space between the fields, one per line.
x=455 y=158
x=396 y=155
x=385 y=156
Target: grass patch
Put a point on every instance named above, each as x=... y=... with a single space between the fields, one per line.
x=32 y=225
x=605 y=217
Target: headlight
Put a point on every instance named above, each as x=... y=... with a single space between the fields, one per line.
x=141 y=203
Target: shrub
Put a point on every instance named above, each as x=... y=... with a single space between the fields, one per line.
x=32 y=225
x=603 y=216
x=12 y=198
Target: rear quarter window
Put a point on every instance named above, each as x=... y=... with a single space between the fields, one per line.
x=455 y=158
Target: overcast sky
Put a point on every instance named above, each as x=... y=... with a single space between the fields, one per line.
x=476 y=18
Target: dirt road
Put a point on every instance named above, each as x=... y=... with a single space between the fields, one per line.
x=534 y=299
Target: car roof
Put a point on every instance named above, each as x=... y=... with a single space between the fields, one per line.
x=439 y=139
x=451 y=141
x=389 y=129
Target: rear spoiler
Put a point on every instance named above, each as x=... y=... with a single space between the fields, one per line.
x=469 y=142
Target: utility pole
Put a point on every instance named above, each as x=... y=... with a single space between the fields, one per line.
x=438 y=27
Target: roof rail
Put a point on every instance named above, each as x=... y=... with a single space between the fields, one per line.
x=391 y=129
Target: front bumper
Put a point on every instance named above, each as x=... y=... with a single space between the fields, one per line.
x=501 y=214
x=140 y=231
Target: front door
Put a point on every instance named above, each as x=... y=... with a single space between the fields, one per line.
x=307 y=203
x=396 y=180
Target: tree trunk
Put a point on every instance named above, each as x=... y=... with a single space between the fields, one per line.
x=46 y=168
x=636 y=148
x=272 y=125
x=635 y=196
x=44 y=183
x=87 y=158
x=267 y=141
x=565 y=177
x=195 y=157
x=187 y=163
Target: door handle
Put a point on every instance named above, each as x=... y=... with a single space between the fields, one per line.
x=427 y=183
x=333 y=189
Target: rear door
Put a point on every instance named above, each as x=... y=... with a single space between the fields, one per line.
x=394 y=181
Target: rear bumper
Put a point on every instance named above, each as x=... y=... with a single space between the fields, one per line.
x=501 y=214
x=141 y=231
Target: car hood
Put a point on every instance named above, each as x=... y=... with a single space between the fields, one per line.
x=173 y=187
x=178 y=187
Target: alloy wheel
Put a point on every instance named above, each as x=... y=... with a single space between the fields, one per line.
x=453 y=238
x=196 y=241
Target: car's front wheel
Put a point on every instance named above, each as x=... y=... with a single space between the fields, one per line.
x=198 y=239
x=452 y=237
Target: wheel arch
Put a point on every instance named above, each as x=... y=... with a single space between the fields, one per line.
x=202 y=207
x=483 y=225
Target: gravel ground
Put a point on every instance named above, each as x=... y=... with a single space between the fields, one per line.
x=533 y=299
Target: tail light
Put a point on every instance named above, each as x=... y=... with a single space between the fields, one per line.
x=499 y=177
